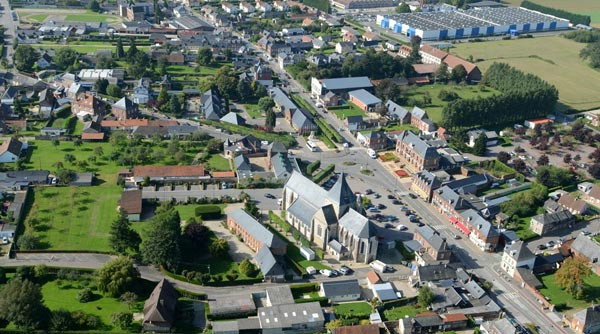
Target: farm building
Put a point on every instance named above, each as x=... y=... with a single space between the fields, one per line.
x=470 y=23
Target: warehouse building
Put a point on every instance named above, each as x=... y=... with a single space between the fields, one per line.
x=364 y=4
x=470 y=23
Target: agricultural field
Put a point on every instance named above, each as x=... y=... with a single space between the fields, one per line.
x=434 y=109
x=584 y=7
x=553 y=58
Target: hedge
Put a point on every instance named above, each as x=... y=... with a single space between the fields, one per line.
x=574 y=18
x=208 y=212
x=324 y=301
x=398 y=302
x=312 y=167
x=299 y=289
x=324 y=173
x=227 y=316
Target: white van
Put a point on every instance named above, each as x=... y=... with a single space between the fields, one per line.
x=372 y=153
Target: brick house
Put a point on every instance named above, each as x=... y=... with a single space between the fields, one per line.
x=575 y=205
x=586 y=321
x=125 y=109
x=416 y=152
x=418 y=118
x=253 y=233
x=434 y=247
x=376 y=140
x=87 y=104
x=424 y=183
x=364 y=100
x=544 y=223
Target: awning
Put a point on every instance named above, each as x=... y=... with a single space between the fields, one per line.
x=460 y=226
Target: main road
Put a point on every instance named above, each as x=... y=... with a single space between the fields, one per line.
x=10 y=29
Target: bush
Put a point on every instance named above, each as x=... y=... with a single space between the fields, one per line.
x=299 y=289
x=208 y=212
x=312 y=167
x=121 y=319
x=324 y=173
x=85 y=295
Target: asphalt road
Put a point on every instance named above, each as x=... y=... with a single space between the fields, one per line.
x=10 y=29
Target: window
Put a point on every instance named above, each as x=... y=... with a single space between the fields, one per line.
x=362 y=247
x=319 y=231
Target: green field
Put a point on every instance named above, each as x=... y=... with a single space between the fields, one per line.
x=557 y=296
x=73 y=218
x=553 y=58
x=585 y=7
x=356 y=309
x=87 y=48
x=37 y=17
x=434 y=109
x=92 y=18
x=350 y=110
x=218 y=163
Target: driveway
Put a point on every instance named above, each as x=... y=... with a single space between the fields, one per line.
x=237 y=249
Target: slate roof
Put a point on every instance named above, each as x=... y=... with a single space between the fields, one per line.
x=587 y=247
x=340 y=288
x=451 y=197
x=282 y=100
x=283 y=165
x=421 y=147
x=484 y=227
x=279 y=295
x=357 y=224
x=12 y=145
x=418 y=113
x=528 y=277
x=233 y=118
x=364 y=97
x=518 y=251
x=212 y=105
x=267 y=263
x=124 y=103
x=340 y=193
x=384 y=291
x=433 y=237
x=346 y=83
x=553 y=218
x=336 y=246
x=432 y=181
x=396 y=110
x=474 y=289
x=590 y=317
x=242 y=163
x=436 y=272
x=159 y=308
x=303 y=210
x=256 y=229
x=301 y=120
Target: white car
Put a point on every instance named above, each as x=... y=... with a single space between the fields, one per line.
x=326 y=272
x=4 y=240
x=401 y=228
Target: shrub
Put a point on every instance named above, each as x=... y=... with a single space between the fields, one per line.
x=208 y=212
x=312 y=167
x=85 y=295
x=121 y=319
x=324 y=173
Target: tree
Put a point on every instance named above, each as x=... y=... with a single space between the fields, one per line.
x=244 y=90
x=415 y=44
x=162 y=243
x=61 y=320
x=120 y=52
x=591 y=52
x=18 y=107
x=265 y=104
x=480 y=145
x=226 y=82
x=204 y=56
x=551 y=176
x=28 y=241
x=122 y=236
x=594 y=170
x=197 y=234
x=121 y=319
x=94 y=6
x=98 y=151
x=459 y=73
x=129 y=298
x=21 y=304
x=174 y=106
x=567 y=158
x=117 y=276
x=85 y=295
x=503 y=157
x=132 y=51
x=218 y=248
x=270 y=120
x=104 y=61
x=334 y=324
x=114 y=91
x=403 y=8
x=543 y=160
x=65 y=57
x=571 y=274
x=138 y=65
x=214 y=145
x=425 y=296
x=163 y=96
x=259 y=90
x=248 y=268
x=442 y=73
x=100 y=86
x=25 y=57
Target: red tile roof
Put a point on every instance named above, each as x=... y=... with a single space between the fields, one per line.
x=169 y=171
x=453 y=61
x=131 y=201
x=425 y=68
x=92 y=136
x=359 y=329
x=124 y=123
x=433 y=51
x=227 y=174
x=373 y=277
x=454 y=317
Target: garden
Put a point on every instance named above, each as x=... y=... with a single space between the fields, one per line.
x=350 y=109
x=565 y=301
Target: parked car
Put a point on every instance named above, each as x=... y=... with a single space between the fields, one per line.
x=311 y=270
x=376 y=195
x=380 y=266
x=4 y=240
x=396 y=202
x=550 y=244
x=454 y=235
x=391 y=218
x=391 y=196
x=267 y=195
x=401 y=228
x=413 y=196
x=585 y=232
x=326 y=272
x=388 y=225
x=541 y=247
x=381 y=206
x=368 y=191
x=413 y=218
x=345 y=270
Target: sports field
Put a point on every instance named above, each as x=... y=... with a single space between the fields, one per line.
x=553 y=58
x=36 y=15
x=585 y=7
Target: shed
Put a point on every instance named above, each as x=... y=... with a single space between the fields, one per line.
x=308 y=253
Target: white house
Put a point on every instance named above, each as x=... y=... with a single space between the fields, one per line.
x=229 y=8
x=263 y=6
x=515 y=256
x=246 y=7
x=340 y=291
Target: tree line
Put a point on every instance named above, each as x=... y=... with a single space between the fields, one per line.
x=523 y=96
x=574 y=18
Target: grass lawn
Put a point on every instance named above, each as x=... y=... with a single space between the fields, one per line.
x=349 y=110
x=553 y=58
x=523 y=230
x=434 y=109
x=400 y=127
x=253 y=110
x=218 y=162
x=400 y=312
x=65 y=297
x=36 y=17
x=188 y=211
x=558 y=296
x=92 y=18
x=356 y=309
x=190 y=70
x=73 y=218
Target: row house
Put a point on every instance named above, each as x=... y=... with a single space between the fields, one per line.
x=417 y=153
x=424 y=183
x=253 y=233
x=419 y=119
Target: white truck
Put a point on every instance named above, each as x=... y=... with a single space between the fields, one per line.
x=380 y=266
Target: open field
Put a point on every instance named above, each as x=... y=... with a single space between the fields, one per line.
x=557 y=296
x=73 y=15
x=585 y=7
x=553 y=58
x=82 y=222
x=400 y=312
x=434 y=109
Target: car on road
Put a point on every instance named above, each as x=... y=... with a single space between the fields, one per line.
x=372 y=153
x=396 y=202
x=585 y=232
x=344 y=270
x=391 y=196
x=454 y=235
x=271 y=196
x=401 y=228
x=368 y=191
x=419 y=224
x=550 y=244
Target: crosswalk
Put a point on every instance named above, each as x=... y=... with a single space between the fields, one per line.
x=439 y=227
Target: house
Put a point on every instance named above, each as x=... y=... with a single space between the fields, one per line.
x=364 y=100
x=301 y=121
x=376 y=140
x=534 y=123
x=397 y=113
x=170 y=174
x=281 y=6
x=47 y=102
x=11 y=149
x=357 y=329
x=233 y=118
x=517 y=255
x=125 y=109
x=229 y=8
x=253 y=233
x=283 y=165
x=473 y=72
x=418 y=118
x=434 y=248
x=384 y=291
x=545 y=223
x=593 y=196
x=586 y=321
x=417 y=153
x=212 y=106
x=142 y=92
x=373 y=278
x=44 y=62
x=491 y=137
x=354 y=123
x=344 y=47
x=330 y=99
x=247 y=145
x=480 y=231
x=279 y=295
x=87 y=105
x=263 y=6
x=246 y=7
x=499 y=326
x=159 y=308
x=424 y=183
x=431 y=55
x=131 y=204
x=589 y=249
x=339 y=86
x=340 y=291
x=575 y=205
x=269 y=266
